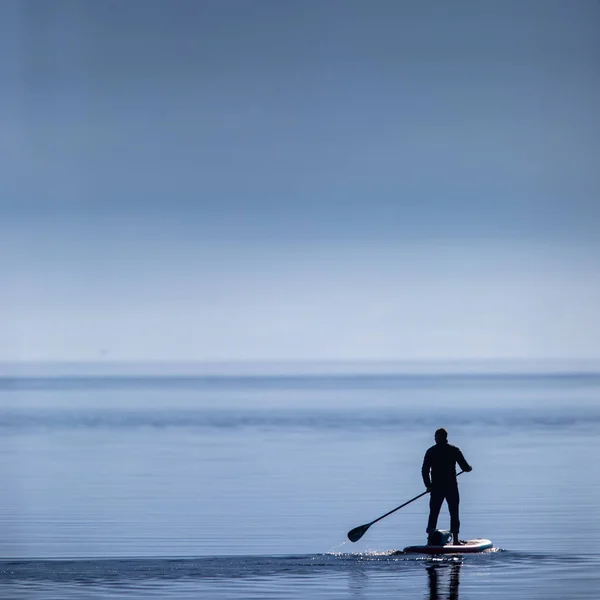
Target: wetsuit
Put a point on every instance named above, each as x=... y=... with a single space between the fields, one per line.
x=440 y=460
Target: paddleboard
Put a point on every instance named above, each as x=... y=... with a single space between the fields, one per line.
x=478 y=545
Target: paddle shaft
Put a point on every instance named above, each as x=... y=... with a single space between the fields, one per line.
x=387 y=514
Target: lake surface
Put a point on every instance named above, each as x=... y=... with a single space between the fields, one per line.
x=185 y=484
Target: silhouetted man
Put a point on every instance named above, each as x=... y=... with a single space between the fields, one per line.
x=439 y=477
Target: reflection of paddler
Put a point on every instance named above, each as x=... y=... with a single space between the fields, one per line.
x=454 y=581
x=434 y=592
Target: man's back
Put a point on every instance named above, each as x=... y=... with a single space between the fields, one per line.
x=441 y=461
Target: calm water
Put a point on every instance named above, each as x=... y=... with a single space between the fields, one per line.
x=224 y=486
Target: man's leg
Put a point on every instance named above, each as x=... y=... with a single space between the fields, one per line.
x=436 y=499
x=453 y=500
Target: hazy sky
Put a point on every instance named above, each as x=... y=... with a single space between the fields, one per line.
x=299 y=179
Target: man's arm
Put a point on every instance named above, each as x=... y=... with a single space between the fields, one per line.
x=462 y=463
x=425 y=470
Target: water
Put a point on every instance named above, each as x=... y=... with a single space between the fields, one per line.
x=229 y=486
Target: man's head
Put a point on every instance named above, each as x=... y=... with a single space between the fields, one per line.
x=441 y=436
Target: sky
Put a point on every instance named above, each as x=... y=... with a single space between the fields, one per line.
x=316 y=180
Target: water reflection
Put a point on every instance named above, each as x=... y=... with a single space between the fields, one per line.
x=434 y=573
x=358 y=582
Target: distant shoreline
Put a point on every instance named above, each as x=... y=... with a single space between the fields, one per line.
x=156 y=370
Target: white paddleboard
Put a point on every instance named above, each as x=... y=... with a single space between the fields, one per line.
x=478 y=545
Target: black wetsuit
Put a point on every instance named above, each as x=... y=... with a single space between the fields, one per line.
x=441 y=461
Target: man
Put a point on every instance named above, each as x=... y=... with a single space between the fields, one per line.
x=439 y=477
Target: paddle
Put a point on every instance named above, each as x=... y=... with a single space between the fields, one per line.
x=355 y=534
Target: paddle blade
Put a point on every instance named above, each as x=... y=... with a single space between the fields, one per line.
x=355 y=534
